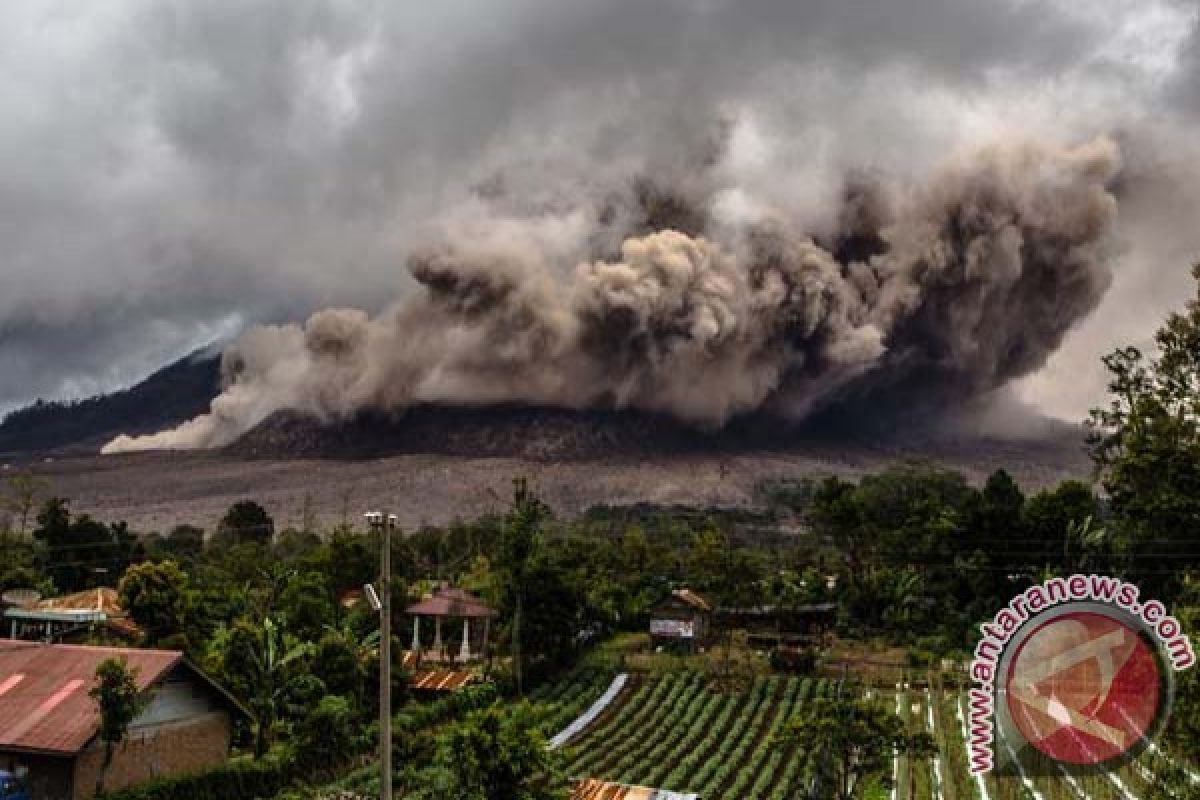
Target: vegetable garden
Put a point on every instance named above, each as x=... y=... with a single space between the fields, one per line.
x=674 y=732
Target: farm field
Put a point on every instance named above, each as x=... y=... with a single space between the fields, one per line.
x=568 y=697
x=673 y=732
x=948 y=778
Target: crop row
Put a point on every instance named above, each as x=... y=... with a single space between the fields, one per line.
x=1048 y=779
x=569 y=697
x=675 y=733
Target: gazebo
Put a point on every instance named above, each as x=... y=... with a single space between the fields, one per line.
x=452 y=604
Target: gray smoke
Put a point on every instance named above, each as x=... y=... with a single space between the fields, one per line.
x=686 y=299
x=173 y=171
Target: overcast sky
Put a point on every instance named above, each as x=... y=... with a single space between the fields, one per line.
x=173 y=171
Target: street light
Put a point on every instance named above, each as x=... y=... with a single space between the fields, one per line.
x=384 y=524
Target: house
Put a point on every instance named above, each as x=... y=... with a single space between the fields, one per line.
x=72 y=617
x=682 y=618
x=49 y=723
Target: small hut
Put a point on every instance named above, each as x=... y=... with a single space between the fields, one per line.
x=451 y=605
x=682 y=618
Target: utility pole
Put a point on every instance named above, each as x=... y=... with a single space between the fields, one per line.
x=384 y=524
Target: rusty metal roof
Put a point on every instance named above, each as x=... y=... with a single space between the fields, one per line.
x=102 y=604
x=44 y=702
x=692 y=599
x=592 y=789
x=442 y=680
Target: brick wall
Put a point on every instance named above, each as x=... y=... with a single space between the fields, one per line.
x=174 y=748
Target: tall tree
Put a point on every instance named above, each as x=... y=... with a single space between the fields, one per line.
x=1146 y=446
x=519 y=543
x=156 y=596
x=81 y=553
x=21 y=494
x=120 y=701
x=307 y=605
x=263 y=666
x=247 y=521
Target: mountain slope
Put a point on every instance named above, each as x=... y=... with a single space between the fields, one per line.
x=170 y=396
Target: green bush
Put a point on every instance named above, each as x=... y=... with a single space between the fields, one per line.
x=242 y=779
x=324 y=739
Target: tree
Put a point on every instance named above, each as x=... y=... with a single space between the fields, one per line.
x=519 y=543
x=306 y=605
x=995 y=523
x=1059 y=523
x=156 y=596
x=853 y=739
x=324 y=738
x=81 y=553
x=247 y=521
x=336 y=661
x=184 y=542
x=21 y=495
x=499 y=753
x=120 y=701
x=264 y=667
x=347 y=560
x=1146 y=446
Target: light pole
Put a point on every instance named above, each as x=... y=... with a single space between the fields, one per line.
x=384 y=524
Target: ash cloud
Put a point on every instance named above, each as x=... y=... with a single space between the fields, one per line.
x=946 y=289
x=171 y=170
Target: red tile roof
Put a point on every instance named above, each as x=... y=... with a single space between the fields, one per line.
x=44 y=702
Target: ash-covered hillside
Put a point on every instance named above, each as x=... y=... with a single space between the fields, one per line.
x=534 y=433
x=562 y=435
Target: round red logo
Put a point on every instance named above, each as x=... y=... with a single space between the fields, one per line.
x=1084 y=688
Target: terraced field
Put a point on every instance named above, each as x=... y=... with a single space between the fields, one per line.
x=1035 y=778
x=567 y=698
x=672 y=732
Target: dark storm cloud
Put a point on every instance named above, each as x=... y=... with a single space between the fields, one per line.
x=168 y=169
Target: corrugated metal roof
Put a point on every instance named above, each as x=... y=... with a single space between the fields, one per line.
x=91 y=605
x=692 y=599
x=442 y=680
x=44 y=702
x=592 y=789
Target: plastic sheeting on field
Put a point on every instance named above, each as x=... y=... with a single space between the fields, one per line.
x=589 y=716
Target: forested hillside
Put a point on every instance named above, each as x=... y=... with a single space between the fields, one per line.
x=173 y=394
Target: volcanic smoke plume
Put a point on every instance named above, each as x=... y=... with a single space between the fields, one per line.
x=935 y=292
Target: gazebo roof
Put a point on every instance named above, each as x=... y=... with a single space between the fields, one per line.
x=451 y=603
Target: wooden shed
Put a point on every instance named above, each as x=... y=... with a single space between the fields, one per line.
x=683 y=618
